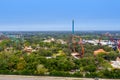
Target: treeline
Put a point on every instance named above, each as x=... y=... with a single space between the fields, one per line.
x=35 y=64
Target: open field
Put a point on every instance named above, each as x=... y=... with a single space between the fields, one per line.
x=18 y=77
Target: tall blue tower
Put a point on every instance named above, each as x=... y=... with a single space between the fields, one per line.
x=73 y=27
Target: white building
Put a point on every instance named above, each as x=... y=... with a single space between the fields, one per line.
x=61 y=41
x=49 y=40
x=103 y=42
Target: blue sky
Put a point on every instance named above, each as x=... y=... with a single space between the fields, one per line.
x=45 y=15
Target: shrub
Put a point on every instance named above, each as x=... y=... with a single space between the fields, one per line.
x=77 y=74
x=40 y=69
x=60 y=73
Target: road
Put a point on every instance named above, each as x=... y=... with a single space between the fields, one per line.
x=18 y=77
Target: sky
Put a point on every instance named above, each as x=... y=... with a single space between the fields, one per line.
x=57 y=15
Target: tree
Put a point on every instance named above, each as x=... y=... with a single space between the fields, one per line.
x=41 y=69
x=21 y=64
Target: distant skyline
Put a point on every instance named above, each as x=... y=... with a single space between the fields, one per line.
x=57 y=15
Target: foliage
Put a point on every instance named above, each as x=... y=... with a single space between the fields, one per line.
x=60 y=73
x=41 y=69
x=110 y=56
x=17 y=61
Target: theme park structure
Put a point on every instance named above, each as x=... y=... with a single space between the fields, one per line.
x=115 y=42
x=76 y=44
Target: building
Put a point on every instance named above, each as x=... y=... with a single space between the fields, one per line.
x=28 y=49
x=49 y=40
x=99 y=51
x=61 y=41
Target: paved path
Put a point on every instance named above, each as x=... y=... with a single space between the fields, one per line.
x=18 y=77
